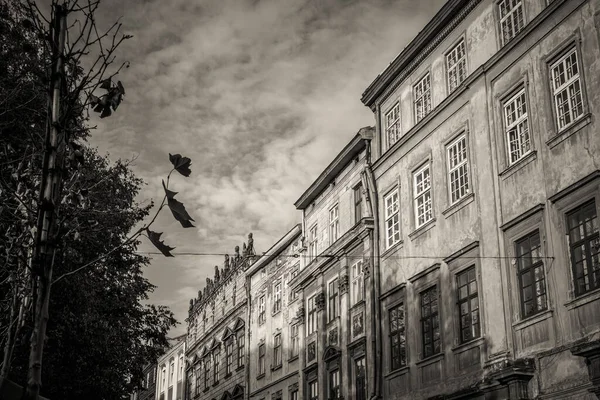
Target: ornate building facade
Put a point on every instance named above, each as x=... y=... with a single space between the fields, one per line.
x=170 y=376
x=486 y=160
x=217 y=352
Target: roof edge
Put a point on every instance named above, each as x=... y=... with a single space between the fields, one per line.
x=275 y=250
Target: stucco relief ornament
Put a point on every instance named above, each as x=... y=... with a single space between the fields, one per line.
x=333 y=337
x=300 y=314
x=312 y=351
x=344 y=284
x=366 y=268
x=320 y=301
x=357 y=324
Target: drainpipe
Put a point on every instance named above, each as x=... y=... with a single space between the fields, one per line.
x=375 y=281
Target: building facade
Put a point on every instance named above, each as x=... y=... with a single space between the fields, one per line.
x=274 y=329
x=217 y=353
x=486 y=161
x=147 y=391
x=335 y=284
x=170 y=377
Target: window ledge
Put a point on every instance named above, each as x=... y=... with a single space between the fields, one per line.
x=392 y=249
x=275 y=368
x=293 y=358
x=241 y=367
x=216 y=383
x=468 y=345
x=583 y=299
x=575 y=127
x=274 y=313
x=333 y=322
x=357 y=305
x=227 y=375
x=531 y=156
x=397 y=372
x=206 y=389
x=259 y=377
x=430 y=359
x=421 y=230
x=459 y=205
x=534 y=319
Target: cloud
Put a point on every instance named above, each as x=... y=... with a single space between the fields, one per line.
x=261 y=95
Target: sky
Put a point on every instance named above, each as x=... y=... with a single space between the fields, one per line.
x=260 y=94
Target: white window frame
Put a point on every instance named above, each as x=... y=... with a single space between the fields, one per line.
x=423 y=193
x=261 y=310
x=422 y=93
x=358 y=282
x=566 y=87
x=311 y=314
x=334 y=224
x=510 y=18
x=277 y=297
x=458 y=165
x=392 y=125
x=313 y=240
x=391 y=203
x=331 y=317
x=458 y=55
x=519 y=126
x=295 y=339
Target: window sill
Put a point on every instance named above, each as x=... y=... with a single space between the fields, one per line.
x=293 y=358
x=531 y=156
x=206 y=389
x=357 y=305
x=240 y=368
x=216 y=384
x=583 y=299
x=259 y=377
x=459 y=205
x=332 y=322
x=397 y=372
x=393 y=249
x=575 y=127
x=274 y=313
x=227 y=375
x=532 y=320
x=275 y=368
x=468 y=345
x=430 y=359
x=421 y=230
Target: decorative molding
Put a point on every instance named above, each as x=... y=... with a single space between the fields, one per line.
x=333 y=336
x=577 y=185
x=311 y=351
x=320 y=301
x=301 y=314
x=423 y=273
x=461 y=252
x=358 y=324
x=344 y=284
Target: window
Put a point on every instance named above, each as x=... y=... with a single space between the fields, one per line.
x=456 y=65
x=164 y=379
x=423 y=201
x=392 y=218
x=261 y=310
x=360 y=378
x=147 y=382
x=295 y=340
x=311 y=322
x=397 y=337
x=241 y=350
x=430 y=322
x=293 y=293
x=277 y=297
x=357 y=282
x=422 y=98
x=198 y=381
x=313 y=390
x=334 y=224
x=172 y=373
x=217 y=369
x=458 y=169
x=512 y=19
x=392 y=125
x=277 y=350
x=532 y=279
x=358 y=203
x=180 y=377
x=229 y=357
x=334 y=384
x=261 y=359
x=468 y=304
x=333 y=293
x=584 y=244
x=294 y=394
x=517 y=127
x=566 y=89
x=207 y=365
x=312 y=243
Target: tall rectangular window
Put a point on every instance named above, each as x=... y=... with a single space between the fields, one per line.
x=456 y=65
x=293 y=293
x=261 y=310
x=295 y=345
x=392 y=125
x=532 y=278
x=313 y=390
x=334 y=224
x=277 y=297
x=360 y=378
x=294 y=395
x=422 y=198
x=566 y=89
x=358 y=203
x=217 y=369
x=334 y=384
x=198 y=381
x=277 y=350
x=333 y=305
x=458 y=169
x=397 y=337
x=422 y=98
x=229 y=356
x=241 y=348
x=311 y=321
x=468 y=304
x=180 y=377
x=261 y=359
x=517 y=127
x=207 y=365
x=512 y=19
x=358 y=287
x=584 y=243
x=171 y=373
x=392 y=218
x=430 y=322
x=312 y=243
